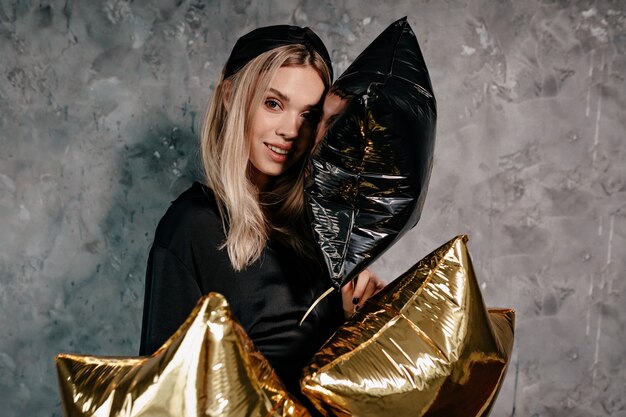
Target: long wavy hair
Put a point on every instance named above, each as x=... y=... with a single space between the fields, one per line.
x=250 y=216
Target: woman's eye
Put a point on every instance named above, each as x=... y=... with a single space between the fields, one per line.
x=311 y=116
x=272 y=104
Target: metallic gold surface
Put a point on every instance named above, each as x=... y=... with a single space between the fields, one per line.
x=209 y=367
x=424 y=346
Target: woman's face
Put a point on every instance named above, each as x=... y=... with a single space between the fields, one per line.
x=283 y=126
x=334 y=106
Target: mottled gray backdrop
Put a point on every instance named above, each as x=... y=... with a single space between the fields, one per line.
x=99 y=109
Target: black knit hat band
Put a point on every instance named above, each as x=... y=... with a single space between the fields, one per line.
x=264 y=39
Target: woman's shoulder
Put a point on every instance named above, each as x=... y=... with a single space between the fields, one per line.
x=192 y=215
x=196 y=196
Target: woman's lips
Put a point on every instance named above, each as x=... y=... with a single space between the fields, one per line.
x=277 y=153
x=278 y=150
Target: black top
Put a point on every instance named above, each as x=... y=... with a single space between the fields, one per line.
x=268 y=298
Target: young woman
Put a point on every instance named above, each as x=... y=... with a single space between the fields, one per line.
x=244 y=234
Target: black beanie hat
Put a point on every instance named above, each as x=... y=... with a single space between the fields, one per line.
x=264 y=39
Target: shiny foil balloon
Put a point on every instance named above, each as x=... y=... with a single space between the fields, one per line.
x=424 y=346
x=370 y=172
x=209 y=367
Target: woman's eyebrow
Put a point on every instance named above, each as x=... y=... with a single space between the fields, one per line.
x=279 y=94
x=284 y=98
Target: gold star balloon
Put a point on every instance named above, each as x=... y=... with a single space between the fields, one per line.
x=209 y=367
x=424 y=346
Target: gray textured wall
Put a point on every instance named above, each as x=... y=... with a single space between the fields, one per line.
x=99 y=108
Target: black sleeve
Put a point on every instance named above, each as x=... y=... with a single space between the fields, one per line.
x=171 y=293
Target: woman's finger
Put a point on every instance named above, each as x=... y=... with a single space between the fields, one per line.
x=361 y=284
x=357 y=291
x=380 y=284
x=370 y=290
x=348 y=289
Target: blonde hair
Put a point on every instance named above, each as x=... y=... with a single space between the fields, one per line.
x=249 y=217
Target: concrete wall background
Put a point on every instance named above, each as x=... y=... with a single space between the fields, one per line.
x=99 y=108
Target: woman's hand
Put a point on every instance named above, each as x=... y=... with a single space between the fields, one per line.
x=357 y=291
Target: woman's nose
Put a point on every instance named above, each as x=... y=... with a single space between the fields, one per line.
x=289 y=126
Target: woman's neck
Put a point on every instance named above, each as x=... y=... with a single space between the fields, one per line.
x=258 y=179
